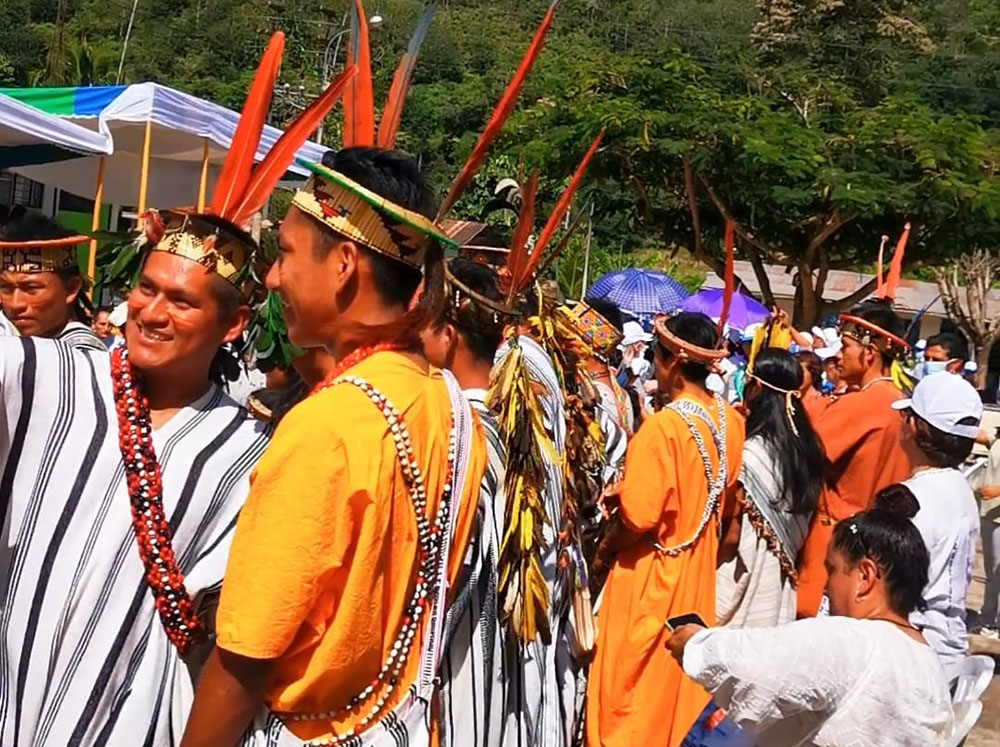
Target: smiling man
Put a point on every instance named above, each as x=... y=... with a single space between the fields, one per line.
x=122 y=478
x=40 y=282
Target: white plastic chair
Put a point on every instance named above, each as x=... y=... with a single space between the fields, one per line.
x=970 y=679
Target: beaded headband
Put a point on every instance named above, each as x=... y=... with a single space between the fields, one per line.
x=347 y=208
x=210 y=241
x=686 y=350
x=41 y=255
x=869 y=334
x=600 y=334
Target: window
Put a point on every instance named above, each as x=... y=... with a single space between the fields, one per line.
x=19 y=190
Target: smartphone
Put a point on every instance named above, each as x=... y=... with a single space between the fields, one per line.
x=691 y=618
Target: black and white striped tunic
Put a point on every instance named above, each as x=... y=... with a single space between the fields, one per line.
x=83 y=658
x=542 y=680
x=473 y=681
x=79 y=335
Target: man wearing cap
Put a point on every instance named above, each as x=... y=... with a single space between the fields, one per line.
x=941 y=422
x=40 y=283
x=636 y=368
x=859 y=433
x=331 y=621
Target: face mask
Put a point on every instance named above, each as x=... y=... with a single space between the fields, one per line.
x=928 y=368
x=641 y=368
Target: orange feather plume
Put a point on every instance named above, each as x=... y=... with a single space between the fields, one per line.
x=729 y=281
x=359 y=101
x=392 y=112
x=543 y=268
x=279 y=158
x=879 y=280
x=239 y=160
x=517 y=260
x=500 y=116
x=896 y=267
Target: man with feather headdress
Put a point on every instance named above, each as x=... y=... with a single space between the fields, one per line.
x=124 y=474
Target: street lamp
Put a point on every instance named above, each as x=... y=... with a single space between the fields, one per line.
x=329 y=62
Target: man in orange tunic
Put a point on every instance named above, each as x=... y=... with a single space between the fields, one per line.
x=680 y=470
x=329 y=624
x=860 y=435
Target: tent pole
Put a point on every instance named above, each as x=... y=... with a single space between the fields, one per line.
x=204 y=177
x=144 y=173
x=95 y=223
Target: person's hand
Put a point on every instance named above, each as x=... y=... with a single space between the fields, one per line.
x=679 y=638
x=650 y=386
x=989 y=492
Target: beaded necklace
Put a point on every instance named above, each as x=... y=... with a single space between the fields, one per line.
x=686 y=409
x=354 y=358
x=430 y=559
x=145 y=487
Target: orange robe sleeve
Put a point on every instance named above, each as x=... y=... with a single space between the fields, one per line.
x=649 y=484
x=298 y=522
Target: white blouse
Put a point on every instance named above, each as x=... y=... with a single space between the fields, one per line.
x=831 y=682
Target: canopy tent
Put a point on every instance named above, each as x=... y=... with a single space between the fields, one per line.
x=30 y=136
x=187 y=139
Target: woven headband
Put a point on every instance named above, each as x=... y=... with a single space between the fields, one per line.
x=41 y=255
x=686 y=350
x=869 y=334
x=351 y=210
x=206 y=239
x=600 y=334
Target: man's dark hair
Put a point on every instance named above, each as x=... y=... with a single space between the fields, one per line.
x=607 y=309
x=697 y=329
x=103 y=310
x=814 y=364
x=880 y=314
x=481 y=339
x=954 y=345
x=943 y=450
x=227 y=296
x=396 y=177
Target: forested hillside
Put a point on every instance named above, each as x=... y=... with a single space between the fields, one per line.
x=817 y=125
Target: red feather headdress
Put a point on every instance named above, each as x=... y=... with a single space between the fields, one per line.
x=217 y=238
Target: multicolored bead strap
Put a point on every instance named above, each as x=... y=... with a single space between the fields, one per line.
x=145 y=487
x=430 y=539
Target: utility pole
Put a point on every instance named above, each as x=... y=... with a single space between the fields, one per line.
x=128 y=34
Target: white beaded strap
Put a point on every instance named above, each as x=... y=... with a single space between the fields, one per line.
x=686 y=409
x=425 y=590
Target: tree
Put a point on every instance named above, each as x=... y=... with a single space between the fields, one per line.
x=965 y=289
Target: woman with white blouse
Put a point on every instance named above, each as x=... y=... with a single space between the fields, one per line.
x=865 y=676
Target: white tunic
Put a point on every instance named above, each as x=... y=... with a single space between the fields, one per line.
x=83 y=657
x=831 y=682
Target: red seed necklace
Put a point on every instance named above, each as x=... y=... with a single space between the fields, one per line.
x=145 y=488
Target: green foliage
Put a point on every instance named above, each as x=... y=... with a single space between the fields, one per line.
x=797 y=113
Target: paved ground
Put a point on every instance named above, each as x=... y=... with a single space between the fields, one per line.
x=987 y=731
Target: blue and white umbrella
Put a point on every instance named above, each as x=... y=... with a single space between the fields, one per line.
x=641 y=293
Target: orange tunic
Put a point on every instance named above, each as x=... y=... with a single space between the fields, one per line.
x=323 y=559
x=638 y=696
x=860 y=435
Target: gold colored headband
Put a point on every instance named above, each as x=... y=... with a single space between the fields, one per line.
x=359 y=214
x=684 y=349
x=41 y=255
x=864 y=331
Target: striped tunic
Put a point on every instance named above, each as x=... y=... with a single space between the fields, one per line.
x=83 y=657
x=473 y=681
x=79 y=335
x=542 y=689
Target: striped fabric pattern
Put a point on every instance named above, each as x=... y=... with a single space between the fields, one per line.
x=473 y=685
x=541 y=697
x=83 y=659
x=79 y=335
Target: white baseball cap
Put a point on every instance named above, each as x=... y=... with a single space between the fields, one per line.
x=943 y=400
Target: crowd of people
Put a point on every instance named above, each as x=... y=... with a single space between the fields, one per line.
x=470 y=512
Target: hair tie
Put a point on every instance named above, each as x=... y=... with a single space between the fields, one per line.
x=853 y=528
